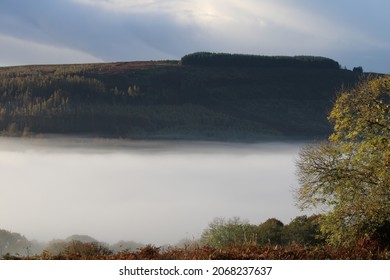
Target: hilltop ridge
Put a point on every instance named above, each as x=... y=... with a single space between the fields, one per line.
x=204 y=96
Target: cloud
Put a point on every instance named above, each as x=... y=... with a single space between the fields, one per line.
x=15 y=51
x=232 y=20
x=256 y=26
x=167 y=29
x=100 y=33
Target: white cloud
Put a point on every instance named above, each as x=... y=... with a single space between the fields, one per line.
x=168 y=29
x=15 y=51
x=251 y=24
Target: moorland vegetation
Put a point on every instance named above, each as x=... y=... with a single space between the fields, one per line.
x=204 y=96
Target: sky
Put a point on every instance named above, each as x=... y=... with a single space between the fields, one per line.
x=353 y=32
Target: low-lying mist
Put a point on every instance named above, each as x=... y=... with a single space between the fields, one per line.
x=151 y=192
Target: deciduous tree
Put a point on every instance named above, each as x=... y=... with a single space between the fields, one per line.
x=349 y=176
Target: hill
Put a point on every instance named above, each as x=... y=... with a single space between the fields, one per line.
x=16 y=244
x=202 y=97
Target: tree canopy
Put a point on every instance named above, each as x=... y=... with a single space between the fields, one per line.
x=245 y=60
x=349 y=176
x=223 y=233
x=166 y=100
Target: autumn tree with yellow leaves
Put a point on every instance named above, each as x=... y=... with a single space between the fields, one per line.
x=349 y=176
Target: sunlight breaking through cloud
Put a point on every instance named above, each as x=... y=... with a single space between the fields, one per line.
x=231 y=17
x=252 y=26
x=118 y=30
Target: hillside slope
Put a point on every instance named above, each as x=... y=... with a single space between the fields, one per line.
x=229 y=101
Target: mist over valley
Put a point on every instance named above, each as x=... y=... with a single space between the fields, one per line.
x=145 y=191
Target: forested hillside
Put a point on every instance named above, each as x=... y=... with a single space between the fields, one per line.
x=203 y=96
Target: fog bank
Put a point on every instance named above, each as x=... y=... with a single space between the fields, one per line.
x=150 y=192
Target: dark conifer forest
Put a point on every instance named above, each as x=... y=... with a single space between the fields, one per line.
x=204 y=96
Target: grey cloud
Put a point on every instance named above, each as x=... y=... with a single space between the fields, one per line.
x=169 y=29
x=92 y=30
